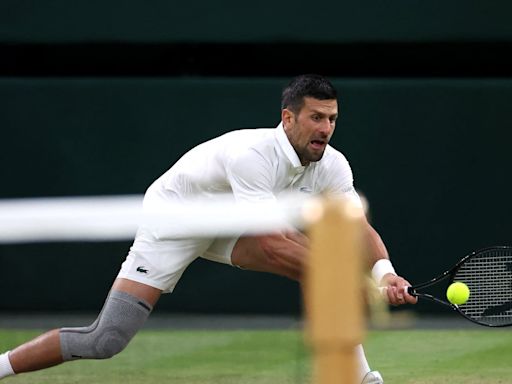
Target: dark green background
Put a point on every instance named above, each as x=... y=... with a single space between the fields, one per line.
x=426 y=125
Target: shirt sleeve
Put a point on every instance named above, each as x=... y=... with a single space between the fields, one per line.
x=339 y=179
x=250 y=177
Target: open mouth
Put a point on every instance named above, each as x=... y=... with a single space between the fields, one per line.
x=318 y=144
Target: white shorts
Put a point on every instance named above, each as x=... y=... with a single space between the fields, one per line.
x=159 y=260
x=160 y=263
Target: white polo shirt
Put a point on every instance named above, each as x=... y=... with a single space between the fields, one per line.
x=252 y=165
x=249 y=165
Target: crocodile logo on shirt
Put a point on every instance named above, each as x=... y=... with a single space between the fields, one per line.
x=142 y=269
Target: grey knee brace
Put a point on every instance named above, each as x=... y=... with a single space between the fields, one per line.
x=120 y=319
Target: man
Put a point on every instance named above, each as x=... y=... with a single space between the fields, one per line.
x=252 y=165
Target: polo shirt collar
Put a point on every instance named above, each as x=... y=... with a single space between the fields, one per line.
x=287 y=148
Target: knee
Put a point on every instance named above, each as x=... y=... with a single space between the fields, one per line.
x=122 y=316
x=111 y=342
x=87 y=343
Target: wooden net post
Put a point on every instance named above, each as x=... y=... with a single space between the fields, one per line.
x=333 y=290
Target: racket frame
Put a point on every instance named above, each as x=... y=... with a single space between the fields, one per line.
x=451 y=274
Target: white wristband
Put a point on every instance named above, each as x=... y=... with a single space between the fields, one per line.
x=380 y=268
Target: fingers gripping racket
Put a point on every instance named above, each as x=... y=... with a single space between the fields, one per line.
x=488 y=275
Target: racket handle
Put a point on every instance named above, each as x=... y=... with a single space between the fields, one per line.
x=410 y=290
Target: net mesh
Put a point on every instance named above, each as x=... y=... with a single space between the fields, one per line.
x=488 y=275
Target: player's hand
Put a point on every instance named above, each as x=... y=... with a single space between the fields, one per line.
x=396 y=290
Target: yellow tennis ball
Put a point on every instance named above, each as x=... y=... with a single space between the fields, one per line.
x=457 y=293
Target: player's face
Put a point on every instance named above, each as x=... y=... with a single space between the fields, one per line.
x=310 y=130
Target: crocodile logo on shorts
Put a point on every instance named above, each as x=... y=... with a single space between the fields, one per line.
x=142 y=269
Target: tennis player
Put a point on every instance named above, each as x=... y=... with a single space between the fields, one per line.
x=252 y=165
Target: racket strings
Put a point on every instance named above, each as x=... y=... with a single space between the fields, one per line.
x=488 y=275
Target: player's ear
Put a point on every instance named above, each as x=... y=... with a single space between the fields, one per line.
x=287 y=117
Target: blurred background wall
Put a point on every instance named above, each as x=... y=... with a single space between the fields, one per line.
x=100 y=98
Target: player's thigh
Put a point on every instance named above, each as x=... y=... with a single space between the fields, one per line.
x=247 y=253
x=221 y=250
x=244 y=252
x=142 y=291
x=276 y=253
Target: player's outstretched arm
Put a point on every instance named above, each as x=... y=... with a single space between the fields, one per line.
x=286 y=254
x=378 y=258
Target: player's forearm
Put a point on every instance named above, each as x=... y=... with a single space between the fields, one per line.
x=378 y=257
x=376 y=249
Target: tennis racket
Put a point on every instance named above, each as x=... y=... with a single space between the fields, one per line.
x=488 y=275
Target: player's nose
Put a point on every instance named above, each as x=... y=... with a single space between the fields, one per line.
x=326 y=128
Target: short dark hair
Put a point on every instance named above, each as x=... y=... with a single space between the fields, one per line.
x=310 y=85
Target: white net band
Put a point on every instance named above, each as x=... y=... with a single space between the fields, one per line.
x=118 y=217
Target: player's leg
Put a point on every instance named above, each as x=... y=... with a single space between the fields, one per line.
x=125 y=311
x=372 y=377
x=366 y=376
x=154 y=265
x=283 y=253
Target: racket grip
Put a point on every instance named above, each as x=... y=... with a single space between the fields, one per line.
x=410 y=290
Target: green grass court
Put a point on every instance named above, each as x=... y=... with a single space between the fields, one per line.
x=278 y=356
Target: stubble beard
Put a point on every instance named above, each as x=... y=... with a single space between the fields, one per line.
x=306 y=156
